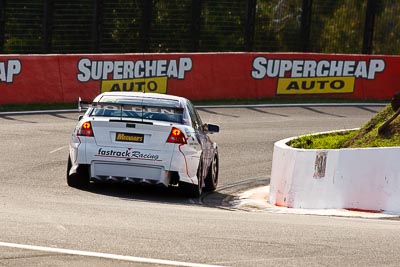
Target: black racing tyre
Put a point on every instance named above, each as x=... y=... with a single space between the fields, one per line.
x=211 y=181
x=193 y=190
x=80 y=179
x=189 y=190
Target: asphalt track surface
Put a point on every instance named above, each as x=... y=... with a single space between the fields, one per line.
x=43 y=222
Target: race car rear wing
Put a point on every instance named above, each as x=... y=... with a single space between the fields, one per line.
x=82 y=105
x=140 y=111
x=138 y=108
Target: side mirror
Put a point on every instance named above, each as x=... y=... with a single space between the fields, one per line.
x=80 y=117
x=211 y=128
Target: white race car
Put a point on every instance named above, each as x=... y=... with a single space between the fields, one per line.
x=127 y=137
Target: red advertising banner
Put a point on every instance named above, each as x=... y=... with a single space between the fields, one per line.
x=198 y=76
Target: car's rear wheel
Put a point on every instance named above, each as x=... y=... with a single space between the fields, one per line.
x=80 y=179
x=193 y=190
x=211 y=181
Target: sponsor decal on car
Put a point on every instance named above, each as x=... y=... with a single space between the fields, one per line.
x=136 y=108
x=128 y=154
x=316 y=77
x=128 y=137
x=136 y=76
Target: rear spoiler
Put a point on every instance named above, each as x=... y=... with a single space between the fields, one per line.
x=138 y=108
x=83 y=105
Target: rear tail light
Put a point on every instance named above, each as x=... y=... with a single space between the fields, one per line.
x=86 y=129
x=176 y=136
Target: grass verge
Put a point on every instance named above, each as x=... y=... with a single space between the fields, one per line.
x=367 y=136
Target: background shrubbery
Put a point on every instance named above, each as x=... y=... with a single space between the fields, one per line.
x=120 y=26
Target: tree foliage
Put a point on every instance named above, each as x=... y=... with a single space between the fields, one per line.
x=387 y=28
x=278 y=25
x=337 y=26
x=342 y=31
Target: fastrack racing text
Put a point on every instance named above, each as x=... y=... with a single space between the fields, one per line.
x=126 y=154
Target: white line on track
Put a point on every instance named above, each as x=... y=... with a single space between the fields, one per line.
x=11 y=113
x=57 y=149
x=104 y=255
x=294 y=105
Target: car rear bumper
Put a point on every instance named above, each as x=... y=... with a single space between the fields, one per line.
x=103 y=171
x=122 y=167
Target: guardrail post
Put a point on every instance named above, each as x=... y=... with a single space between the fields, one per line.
x=369 y=26
x=305 y=27
x=96 y=26
x=195 y=26
x=249 y=25
x=48 y=13
x=146 y=25
x=2 y=23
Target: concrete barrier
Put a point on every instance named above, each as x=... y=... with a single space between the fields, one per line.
x=356 y=178
x=198 y=76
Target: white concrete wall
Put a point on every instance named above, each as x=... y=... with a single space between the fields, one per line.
x=362 y=178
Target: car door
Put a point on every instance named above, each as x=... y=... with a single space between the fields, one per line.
x=201 y=136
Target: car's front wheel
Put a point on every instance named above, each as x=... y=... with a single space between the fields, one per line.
x=79 y=179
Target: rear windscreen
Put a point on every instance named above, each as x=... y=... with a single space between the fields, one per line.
x=138 y=108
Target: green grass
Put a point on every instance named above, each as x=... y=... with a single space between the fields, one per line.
x=367 y=136
x=325 y=141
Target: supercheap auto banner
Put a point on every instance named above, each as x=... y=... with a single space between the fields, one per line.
x=64 y=78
